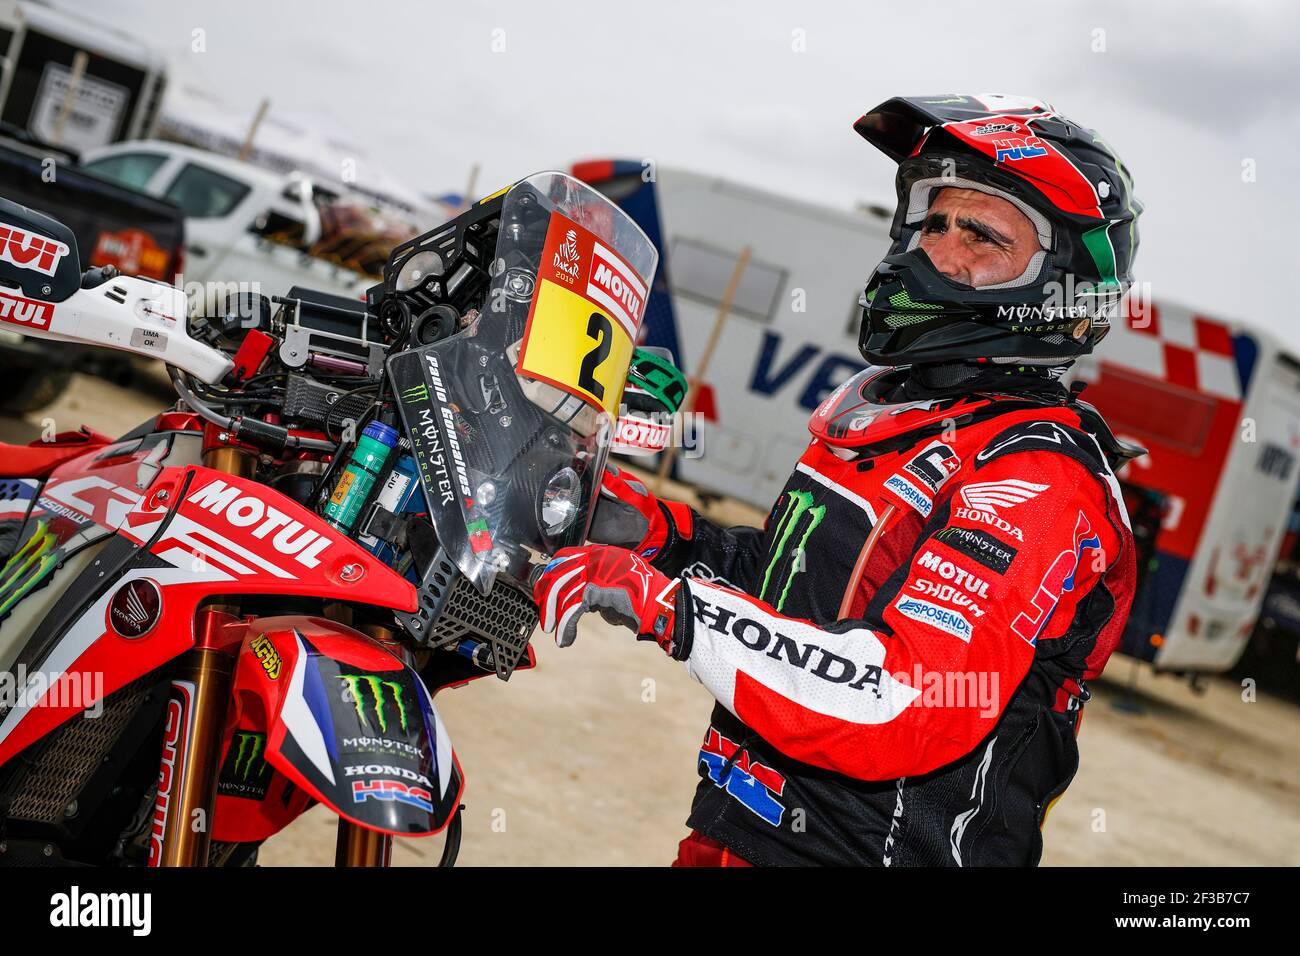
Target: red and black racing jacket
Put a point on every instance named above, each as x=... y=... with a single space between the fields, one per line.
x=899 y=656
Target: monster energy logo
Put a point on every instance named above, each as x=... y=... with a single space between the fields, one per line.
x=28 y=566
x=416 y=393
x=364 y=687
x=799 y=511
x=249 y=751
x=245 y=770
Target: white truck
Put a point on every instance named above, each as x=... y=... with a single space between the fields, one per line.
x=74 y=81
x=1216 y=402
x=242 y=223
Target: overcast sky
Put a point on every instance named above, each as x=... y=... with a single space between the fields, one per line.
x=1186 y=92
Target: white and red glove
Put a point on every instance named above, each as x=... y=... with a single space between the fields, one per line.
x=618 y=584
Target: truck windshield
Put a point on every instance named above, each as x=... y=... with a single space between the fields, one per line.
x=133 y=170
x=204 y=194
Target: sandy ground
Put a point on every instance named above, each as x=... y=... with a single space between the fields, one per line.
x=589 y=758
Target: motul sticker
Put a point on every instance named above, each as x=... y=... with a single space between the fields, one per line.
x=20 y=310
x=634 y=435
x=26 y=250
x=264 y=522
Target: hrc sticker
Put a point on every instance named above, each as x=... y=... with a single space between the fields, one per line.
x=583 y=320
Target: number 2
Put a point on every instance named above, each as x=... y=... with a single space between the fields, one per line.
x=598 y=328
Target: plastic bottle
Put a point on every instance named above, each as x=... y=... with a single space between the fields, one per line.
x=360 y=474
x=401 y=492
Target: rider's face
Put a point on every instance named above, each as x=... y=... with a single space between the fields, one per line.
x=977 y=239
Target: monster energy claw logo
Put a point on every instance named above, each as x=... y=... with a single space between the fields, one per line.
x=28 y=566
x=799 y=511
x=245 y=772
x=364 y=687
x=416 y=393
x=248 y=753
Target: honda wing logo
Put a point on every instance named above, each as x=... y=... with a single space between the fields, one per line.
x=135 y=608
x=989 y=496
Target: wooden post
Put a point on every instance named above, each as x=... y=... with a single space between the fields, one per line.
x=471 y=186
x=246 y=150
x=693 y=381
x=80 y=60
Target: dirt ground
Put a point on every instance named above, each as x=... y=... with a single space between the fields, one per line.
x=589 y=758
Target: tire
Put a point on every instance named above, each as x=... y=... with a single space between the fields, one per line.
x=31 y=389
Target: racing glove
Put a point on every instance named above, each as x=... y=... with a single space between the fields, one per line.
x=617 y=583
x=630 y=516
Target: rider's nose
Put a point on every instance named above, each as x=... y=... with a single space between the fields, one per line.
x=946 y=252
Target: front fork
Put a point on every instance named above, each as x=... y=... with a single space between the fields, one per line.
x=180 y=831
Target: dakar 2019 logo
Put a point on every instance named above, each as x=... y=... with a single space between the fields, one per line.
x=798 y=521
x=566 y=257
x=376 y=699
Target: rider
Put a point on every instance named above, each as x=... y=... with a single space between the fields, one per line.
x=899 y=656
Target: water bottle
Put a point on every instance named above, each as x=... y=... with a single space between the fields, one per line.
x=360 y=474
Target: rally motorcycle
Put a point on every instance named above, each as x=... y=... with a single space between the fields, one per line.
x=246 y=606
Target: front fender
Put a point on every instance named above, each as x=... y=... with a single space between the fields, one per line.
x=344 y=720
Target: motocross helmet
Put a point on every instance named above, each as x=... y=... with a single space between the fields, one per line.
x=1062 y=176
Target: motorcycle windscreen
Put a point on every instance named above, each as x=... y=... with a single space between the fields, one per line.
x=511 y=418
x=366 y=740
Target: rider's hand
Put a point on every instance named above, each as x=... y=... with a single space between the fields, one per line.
x=630 y=516
x=617 y=583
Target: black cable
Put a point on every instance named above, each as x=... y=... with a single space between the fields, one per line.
x=451 y=849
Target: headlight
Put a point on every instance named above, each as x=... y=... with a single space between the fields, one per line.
x=418 y=268
x=561 y=501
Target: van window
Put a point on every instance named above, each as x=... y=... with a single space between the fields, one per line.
x=204 y=194
x=133 y=170
x=700 y=271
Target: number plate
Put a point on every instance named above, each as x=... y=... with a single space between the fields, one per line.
x=583 y=320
